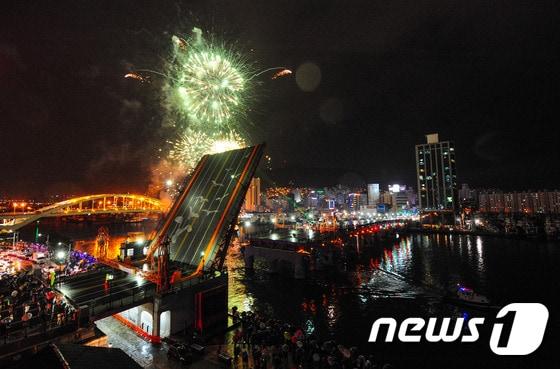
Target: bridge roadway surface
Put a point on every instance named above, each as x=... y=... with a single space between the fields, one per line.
x=210 y=202
x=90 y=289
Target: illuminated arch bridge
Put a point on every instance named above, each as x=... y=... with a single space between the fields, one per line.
x=85 y=205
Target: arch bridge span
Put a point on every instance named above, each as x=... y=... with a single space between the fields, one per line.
x=108 y=203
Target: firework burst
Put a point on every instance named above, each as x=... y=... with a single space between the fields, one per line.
x=207 y=88
x=230 y=141
x=207 y=83
x=191 y=145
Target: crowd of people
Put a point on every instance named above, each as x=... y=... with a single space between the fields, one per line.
x=79 y=262
x=26 y=302
x=263 y=343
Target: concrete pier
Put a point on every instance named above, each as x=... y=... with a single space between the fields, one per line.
x=275 y=257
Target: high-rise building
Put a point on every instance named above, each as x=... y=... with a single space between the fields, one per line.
x=401 y=197
x=386 y=197
x=253 y=197
x=354 y=200
x=373 y=193
x=435 y=168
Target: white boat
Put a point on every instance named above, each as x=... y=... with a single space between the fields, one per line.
x=467 y=297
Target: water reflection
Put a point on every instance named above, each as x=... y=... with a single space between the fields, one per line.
x=416 y=268
x=479 y=252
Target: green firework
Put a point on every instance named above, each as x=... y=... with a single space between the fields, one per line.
x=208 y=83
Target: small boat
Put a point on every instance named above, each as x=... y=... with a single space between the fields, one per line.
x=467 y=297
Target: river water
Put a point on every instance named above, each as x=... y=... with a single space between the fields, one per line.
x=343 y=305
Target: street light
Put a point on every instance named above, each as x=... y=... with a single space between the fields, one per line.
x=61 y=255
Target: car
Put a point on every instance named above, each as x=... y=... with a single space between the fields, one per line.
x=179 y=352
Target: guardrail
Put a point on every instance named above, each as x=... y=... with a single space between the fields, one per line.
x=21 y=335
x=104 y=306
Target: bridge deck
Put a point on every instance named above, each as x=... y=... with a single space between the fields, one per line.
x=122 y=292
x=202 y=214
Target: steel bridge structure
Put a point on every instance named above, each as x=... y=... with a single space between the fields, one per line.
x=108 y=203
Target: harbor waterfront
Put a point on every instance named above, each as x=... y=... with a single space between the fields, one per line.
x=294 y=185
x=396 y=278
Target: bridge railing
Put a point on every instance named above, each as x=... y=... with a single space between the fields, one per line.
x=20 y=335
x=187 y=283
x=115 y=302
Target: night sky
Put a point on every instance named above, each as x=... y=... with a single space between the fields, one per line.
x=481 y=73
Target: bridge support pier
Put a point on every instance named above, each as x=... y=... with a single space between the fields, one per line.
x=275 y=257
x=156 y=316
x=202 y=307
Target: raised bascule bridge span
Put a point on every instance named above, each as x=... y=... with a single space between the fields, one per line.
x=108 y=203
x=182 y=281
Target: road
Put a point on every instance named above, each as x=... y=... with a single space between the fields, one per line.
x=89 y=287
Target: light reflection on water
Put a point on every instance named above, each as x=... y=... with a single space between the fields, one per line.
x=420 y=268
x=344 y=304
